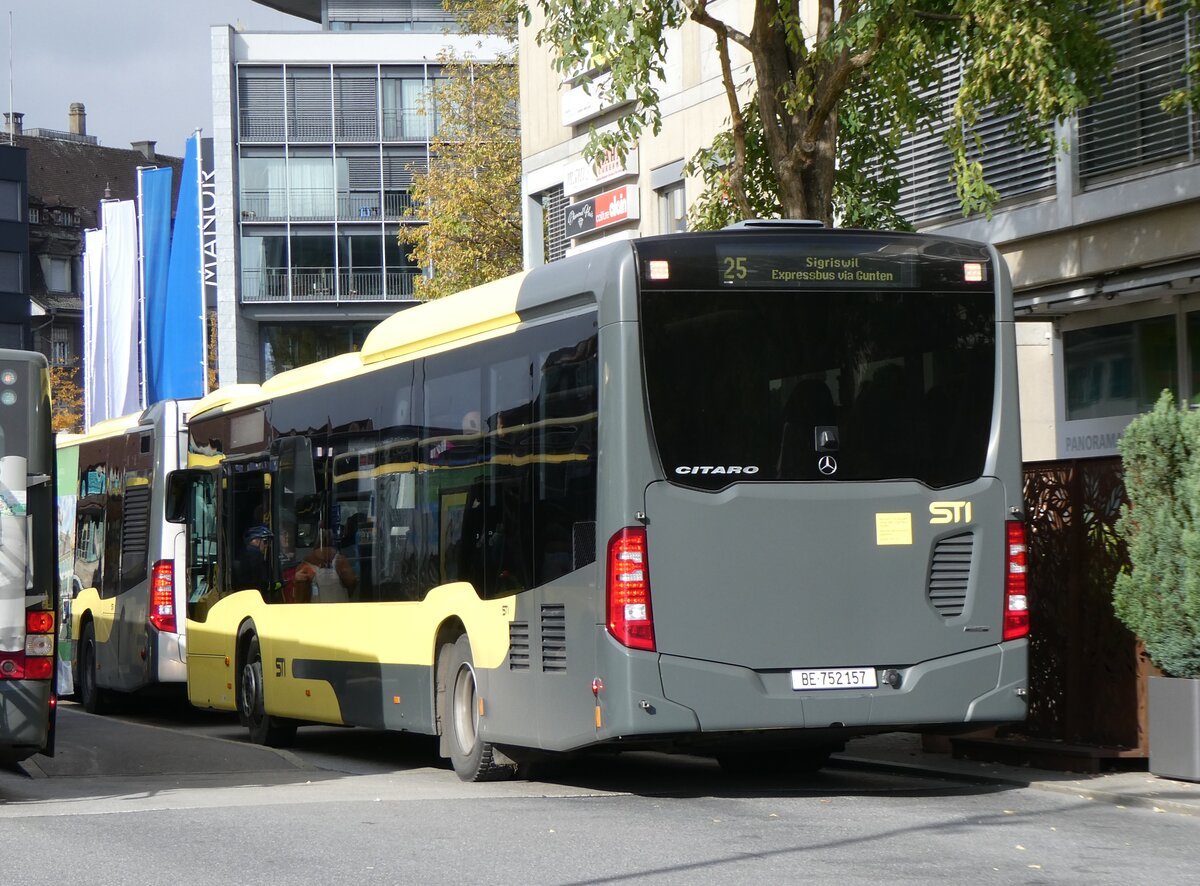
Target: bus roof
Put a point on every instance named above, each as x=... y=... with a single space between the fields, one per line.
x=475 y=311
x=470 y=312
x=110 y=427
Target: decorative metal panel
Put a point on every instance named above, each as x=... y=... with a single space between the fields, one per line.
x=1084 y=665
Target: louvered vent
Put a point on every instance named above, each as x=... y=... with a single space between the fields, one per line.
x=950 y=574
x=518 y=646
x=554 y=638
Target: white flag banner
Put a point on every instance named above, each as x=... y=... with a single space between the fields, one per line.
x=119 y=307
x=95 y=358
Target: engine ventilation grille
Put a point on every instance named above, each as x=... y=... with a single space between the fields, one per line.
x=950 y=574
x=518 y=646
x=554 y=638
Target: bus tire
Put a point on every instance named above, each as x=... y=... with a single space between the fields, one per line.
x=265 y=729
x=94 y=699
x=473 y=759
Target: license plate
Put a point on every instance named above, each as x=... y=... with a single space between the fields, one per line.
x=809 y=679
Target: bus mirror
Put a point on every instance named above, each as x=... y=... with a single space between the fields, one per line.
x=179 y=494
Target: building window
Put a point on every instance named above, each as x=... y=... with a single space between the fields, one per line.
x=10 y=272
x=57 y=271
x=672 y=209
x=554 y=220
x=1119 y=369
x=286 y=346
x=1126 y=127
x=309 y=105
x=10 y=201
x=60 y=346
x=260 y=104
x=356 y=104
x=410 y=111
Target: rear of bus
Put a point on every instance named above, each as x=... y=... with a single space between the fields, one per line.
x=822 y=528
x=27 y=558
x=127 y=591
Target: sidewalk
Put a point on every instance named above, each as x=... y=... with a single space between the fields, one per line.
x=903 y=751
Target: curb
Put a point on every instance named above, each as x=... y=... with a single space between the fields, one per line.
x=1077 y=789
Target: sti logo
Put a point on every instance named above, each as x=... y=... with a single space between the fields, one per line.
x=949 y=512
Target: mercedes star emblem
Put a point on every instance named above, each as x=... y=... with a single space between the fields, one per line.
x=827 y=465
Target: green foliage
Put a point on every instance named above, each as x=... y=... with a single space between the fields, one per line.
x=471 y=194
x=1159 y=597
x=818 y=129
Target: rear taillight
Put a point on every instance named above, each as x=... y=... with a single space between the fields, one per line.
x=1016 y=600
x=630 y=619
x=37 y=661
x=162 y=596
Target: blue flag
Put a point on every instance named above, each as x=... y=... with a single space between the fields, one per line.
x=175 y=327
x=154 y=194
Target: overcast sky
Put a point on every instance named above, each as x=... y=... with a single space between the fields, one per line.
x=140 y=67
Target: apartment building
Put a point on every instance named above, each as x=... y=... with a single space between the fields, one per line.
x=317 y=136
x=1102 y=240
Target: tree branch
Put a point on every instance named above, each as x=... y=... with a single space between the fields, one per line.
x=838 y=78
x=698 y=12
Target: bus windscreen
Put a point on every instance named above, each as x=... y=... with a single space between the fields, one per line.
x=761 y=383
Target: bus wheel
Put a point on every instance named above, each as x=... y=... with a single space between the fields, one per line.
x=274 y=732
x=94 y=699
x=472 y=758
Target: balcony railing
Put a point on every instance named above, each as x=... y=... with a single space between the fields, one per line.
x=318 y=205
x=326 y=285
x=261 y=128
x=408 y=125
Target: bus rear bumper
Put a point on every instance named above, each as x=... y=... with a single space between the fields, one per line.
x=981 y=686
x=168 y=664
x=24 y=718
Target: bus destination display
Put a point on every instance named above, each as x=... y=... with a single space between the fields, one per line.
x=745 y=268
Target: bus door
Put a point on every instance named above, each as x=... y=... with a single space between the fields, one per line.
x=192 y=501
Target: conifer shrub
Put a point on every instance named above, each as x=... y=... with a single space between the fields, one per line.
x=1158 y=597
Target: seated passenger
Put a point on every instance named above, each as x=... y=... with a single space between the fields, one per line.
x=324 y=575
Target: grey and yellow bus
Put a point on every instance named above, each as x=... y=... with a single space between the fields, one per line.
x=125 y=595
x=28 y=559
x=744 y=493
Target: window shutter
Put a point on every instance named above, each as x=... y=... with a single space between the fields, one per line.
x=1126 y=128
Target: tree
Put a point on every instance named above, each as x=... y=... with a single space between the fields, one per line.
x=1158 y=598
x=471 y=194
x=833 y=96
x=67 y=397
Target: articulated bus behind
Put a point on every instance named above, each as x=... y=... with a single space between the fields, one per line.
x=28 y=584
x=124 y=587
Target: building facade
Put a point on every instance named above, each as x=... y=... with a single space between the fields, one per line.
x=69 y=175
x=14 y=248
x=1101 y=240
x=317 y=136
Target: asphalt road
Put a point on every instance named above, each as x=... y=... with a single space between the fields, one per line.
x=170 y=793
